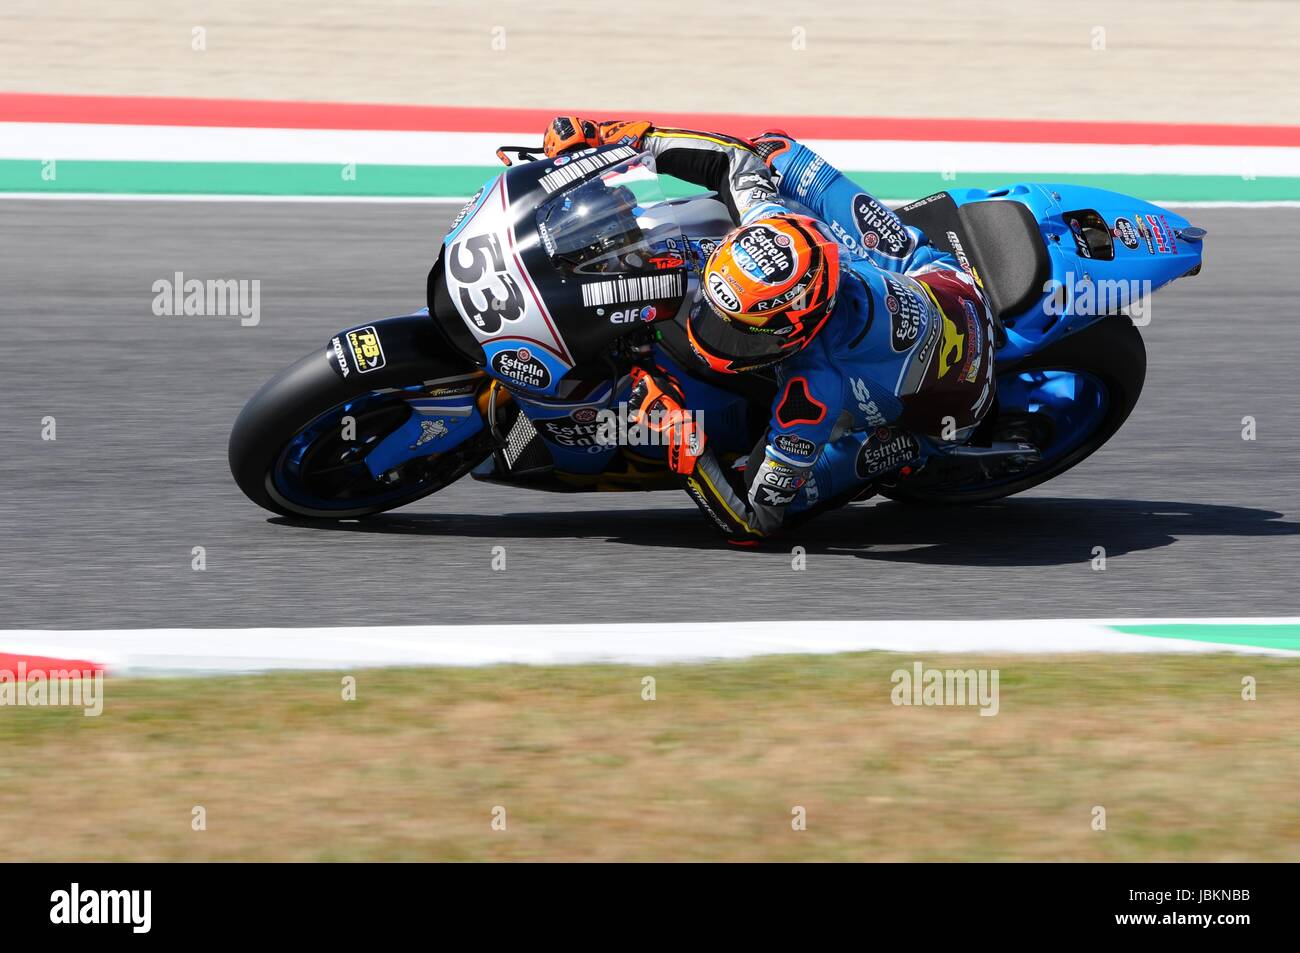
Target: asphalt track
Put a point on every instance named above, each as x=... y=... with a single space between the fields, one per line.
x=97 y=527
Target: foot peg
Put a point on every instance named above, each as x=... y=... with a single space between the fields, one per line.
x=967 y=464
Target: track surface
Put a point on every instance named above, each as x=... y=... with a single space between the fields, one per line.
x=96 y=528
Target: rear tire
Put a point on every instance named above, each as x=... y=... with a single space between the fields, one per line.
x=1110 y=350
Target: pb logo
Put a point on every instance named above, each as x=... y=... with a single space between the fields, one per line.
x=367 y=353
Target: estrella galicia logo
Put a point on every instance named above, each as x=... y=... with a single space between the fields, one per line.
x=367 y=352
x=906 y=314
x=764 y=254
x=885 y=450
x=794 y=446
x=1126 y=233
x=519 y=366
x=881 y=229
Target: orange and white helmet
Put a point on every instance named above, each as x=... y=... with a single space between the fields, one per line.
x=768 y=289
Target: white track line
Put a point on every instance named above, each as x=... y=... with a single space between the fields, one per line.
x=140 y=143
x=199 y=651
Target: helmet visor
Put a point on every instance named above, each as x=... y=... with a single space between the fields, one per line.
x=723 y=339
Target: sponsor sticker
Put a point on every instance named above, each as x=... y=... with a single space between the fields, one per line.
x=1080 y=243
x=632 y=315
x=782 y=477
x=465 y=210
x=1145 y=232
x=763 y=256
x=794 y=446
x=430 y=430
x=884 y=450
x=1123 y=230
x=337 y=347
x=906 y=314
x=960 y=253
x=721 y=292
x=770 y=496
x=881 y=229
x=367 y=352
x=1164 y=238
x=970 y=367
x=519 y=365
x=582 y=167
x=572 y=433
x=627 y=290
x=1169 y=235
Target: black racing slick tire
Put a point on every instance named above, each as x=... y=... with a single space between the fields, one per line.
x=1112 y=351
x=282 y=410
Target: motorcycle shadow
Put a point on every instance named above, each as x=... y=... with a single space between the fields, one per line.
x=1041 y=531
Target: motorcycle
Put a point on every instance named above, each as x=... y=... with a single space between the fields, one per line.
x=562 y=274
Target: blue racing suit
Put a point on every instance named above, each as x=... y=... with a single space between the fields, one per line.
x=907 y=351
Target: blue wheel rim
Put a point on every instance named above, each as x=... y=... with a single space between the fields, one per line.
x=1072 y=405
x=299 y=465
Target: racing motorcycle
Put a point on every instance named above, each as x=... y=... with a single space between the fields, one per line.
x=561 y=274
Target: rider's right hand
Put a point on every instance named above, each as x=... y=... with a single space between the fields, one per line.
x=569 y=132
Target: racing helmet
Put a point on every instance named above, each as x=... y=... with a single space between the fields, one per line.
x=767 y=290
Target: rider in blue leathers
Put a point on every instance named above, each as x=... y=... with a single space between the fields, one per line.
x=878 y=339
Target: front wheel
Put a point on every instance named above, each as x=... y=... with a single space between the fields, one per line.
x=1067 y=400
x=291 y=453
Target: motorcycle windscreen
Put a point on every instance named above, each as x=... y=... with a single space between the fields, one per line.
x=617 y=223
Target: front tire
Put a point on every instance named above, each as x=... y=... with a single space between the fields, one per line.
x=310 y=394
x=1110 y=352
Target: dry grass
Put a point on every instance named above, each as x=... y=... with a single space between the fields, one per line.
x=588 y=771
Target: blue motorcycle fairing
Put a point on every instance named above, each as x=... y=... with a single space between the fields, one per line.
x=435 y=425
x=1132 y=275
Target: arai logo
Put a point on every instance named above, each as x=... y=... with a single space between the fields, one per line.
x=722 y=294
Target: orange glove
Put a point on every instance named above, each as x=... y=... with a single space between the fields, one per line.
x=656 y=403
x=569 y=132
x=574 y=132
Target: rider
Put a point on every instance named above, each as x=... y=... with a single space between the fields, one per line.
x=874 y=335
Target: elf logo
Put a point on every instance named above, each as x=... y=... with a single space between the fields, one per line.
x=632 y=315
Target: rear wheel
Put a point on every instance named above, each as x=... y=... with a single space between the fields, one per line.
x=1067 y=400
x=288 y=453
